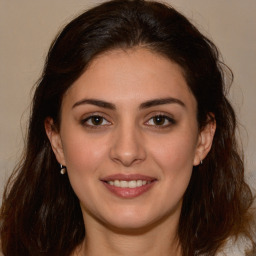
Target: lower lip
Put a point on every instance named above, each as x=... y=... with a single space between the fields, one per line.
x=129 y=192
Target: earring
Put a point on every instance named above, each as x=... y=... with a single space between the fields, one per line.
x=201 y=161
x=63 y=169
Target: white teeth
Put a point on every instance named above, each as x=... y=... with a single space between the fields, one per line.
x=128 y=184
x=139 y=183
x=132 y=184
x=123 y=184
x=117 y=183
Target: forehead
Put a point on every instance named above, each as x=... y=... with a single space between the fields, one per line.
x=131 y=75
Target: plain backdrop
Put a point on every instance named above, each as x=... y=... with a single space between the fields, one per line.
x=27 y=28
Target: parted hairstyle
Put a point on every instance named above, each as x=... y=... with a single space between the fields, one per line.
x=40 y=213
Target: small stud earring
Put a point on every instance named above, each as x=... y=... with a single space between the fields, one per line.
x=63 y=169
x=201 y=161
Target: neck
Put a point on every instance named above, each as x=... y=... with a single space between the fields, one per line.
x=148 y=241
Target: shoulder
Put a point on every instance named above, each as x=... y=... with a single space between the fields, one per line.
x=236 y=247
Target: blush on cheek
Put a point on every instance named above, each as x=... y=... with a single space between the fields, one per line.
x=174 y=153
x=83 y=156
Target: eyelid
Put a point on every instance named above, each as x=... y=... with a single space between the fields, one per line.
x=171 y=120
x=167 y=116
x=90 y=116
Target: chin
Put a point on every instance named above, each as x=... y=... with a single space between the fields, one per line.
x=130 y=227
x=133 y=221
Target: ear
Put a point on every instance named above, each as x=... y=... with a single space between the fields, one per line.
x=55 y=140
x=205 y=140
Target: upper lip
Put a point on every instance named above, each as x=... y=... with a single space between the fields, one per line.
x=128 y=177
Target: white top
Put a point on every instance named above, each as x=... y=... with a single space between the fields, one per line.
x=236 y=248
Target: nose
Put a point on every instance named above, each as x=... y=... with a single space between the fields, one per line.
x=127 y=146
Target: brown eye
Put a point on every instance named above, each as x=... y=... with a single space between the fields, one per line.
x=95 y=120
x=160 y=121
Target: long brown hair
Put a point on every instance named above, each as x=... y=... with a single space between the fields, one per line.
x=41 y=215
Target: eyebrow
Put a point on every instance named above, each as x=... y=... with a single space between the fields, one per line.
x=144 y=105
x=157 y=102
x=99 y=103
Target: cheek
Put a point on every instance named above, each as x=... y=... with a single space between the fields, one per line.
x=84 y=157
x=175 y=158
x=175 y=152
x=83 y=153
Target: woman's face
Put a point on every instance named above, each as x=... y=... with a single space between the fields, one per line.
x=129 y=138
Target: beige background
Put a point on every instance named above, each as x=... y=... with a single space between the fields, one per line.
x=28 y=27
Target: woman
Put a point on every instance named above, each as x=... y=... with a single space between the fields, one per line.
x=131 y=146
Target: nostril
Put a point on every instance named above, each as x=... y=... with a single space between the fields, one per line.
x=125 y=161
x=127 y=148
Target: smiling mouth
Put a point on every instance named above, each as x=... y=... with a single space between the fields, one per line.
x=128 y=184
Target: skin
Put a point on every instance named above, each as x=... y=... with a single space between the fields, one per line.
x=128 y=140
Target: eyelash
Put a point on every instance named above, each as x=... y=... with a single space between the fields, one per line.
x=85 y=122
x=168 y=121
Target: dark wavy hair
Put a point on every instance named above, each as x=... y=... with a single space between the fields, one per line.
x=40 y=213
